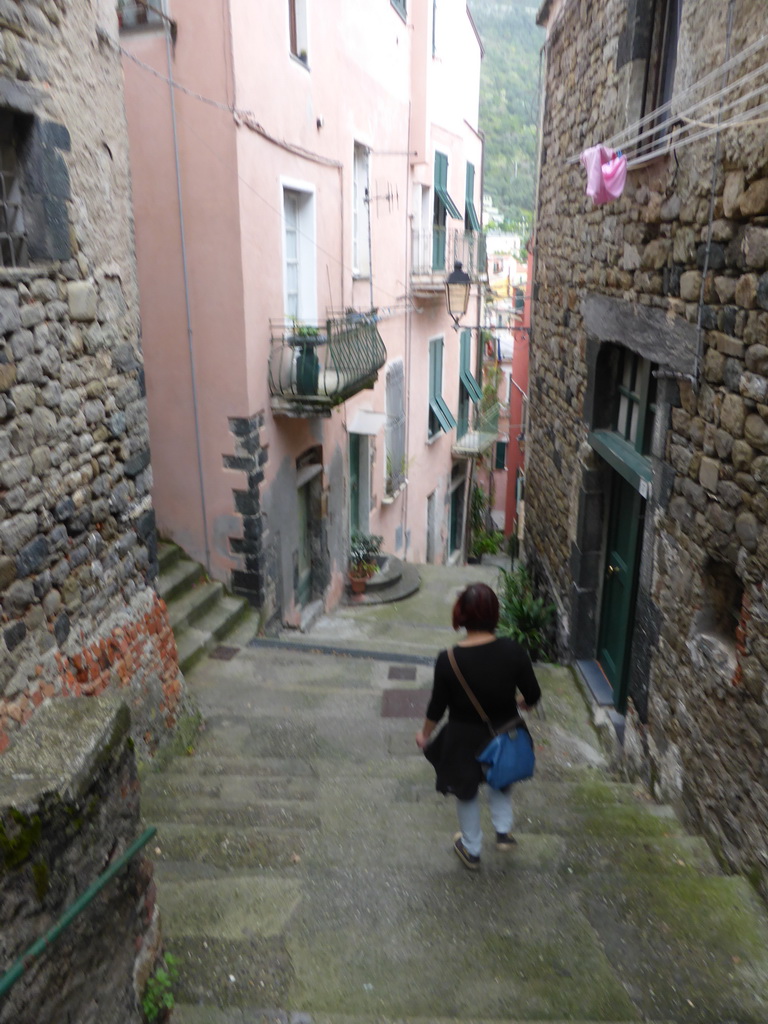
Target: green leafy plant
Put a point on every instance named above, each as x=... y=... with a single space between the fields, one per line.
x=524 y=616
x=364 y=550
x=158 y=999
x=304 y=330
x=487 y=543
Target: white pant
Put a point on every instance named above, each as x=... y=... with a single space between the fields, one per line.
x=500 y=805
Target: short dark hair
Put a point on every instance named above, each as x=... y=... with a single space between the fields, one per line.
x=476 y=608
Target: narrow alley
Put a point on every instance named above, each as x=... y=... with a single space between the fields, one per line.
x=305 y=872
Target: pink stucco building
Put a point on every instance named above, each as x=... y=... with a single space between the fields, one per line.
x=304 y=178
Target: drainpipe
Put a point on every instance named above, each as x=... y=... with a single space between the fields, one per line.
x=408 y=327
x=188 y=311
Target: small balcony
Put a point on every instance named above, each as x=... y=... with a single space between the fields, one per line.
x=315 y=367
x=434 y=253
x=480 y=437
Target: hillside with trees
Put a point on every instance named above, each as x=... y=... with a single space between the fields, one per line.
x=509 y=94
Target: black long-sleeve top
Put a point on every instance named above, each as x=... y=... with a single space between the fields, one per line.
x=495 y=672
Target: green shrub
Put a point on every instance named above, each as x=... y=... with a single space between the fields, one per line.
x=484 y=543
x=523 y=616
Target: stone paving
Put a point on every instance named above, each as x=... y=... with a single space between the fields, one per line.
x=305 y=871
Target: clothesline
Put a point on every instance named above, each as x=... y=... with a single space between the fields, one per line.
x=648 y=127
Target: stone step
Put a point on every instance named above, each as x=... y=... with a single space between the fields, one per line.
x=167 y=555
x=194 y=641
x=185 y=1013
x=188 y=607
x=221 y=847
x=199 y=811
x=397 y=581
x=181 y=575
x=232 y=788
x=227 y=973
x=215 y=764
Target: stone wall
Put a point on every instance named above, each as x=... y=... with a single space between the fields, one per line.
x=77 y=532
x=69 y=807
x=676 y=271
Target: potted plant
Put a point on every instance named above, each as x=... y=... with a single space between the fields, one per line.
x=305 y=339
x=364 y=551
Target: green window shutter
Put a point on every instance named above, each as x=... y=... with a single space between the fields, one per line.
x=471 y=220
x=441 y=186
x=501 y=455
x=467 y=379
x=440 y=410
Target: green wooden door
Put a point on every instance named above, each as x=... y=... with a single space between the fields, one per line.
x=354 y=482
x=619 y=586
x=457 y=519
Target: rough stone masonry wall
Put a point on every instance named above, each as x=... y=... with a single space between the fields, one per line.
x=77 y=530
x=74 y=814
x=702 y=734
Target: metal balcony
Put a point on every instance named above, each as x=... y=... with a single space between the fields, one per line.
x=479 y=440
x=434 y=253
x=315 y=367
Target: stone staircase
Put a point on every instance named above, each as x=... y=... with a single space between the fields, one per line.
x=201 y=612
x=305 y=874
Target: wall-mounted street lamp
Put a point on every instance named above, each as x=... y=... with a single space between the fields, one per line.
x=457 y=286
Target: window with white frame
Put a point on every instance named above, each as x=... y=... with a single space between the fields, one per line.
x=396 y=454
x=297 y=29
x=440 y=416
x=299 y=255
x=361 y=264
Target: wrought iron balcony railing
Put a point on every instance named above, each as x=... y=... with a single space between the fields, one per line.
x=313 y=368
x=435 y=251
x=484 y=431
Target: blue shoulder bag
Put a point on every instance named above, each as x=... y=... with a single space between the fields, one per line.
x=509 y=757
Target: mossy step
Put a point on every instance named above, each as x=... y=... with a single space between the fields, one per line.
x=230 y=788
x=182 y=574
x=167 y=554
x=193 y=641
x=213 y=764
x=226 y=848
x=655 y=855
x=195 y=811
x=184 y=1013
x=253 y=971
x=188 y=607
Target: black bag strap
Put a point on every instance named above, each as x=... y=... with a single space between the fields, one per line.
x=468 y=691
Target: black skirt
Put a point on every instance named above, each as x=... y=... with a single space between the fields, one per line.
x=453 y=755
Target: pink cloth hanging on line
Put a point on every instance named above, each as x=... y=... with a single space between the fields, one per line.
x=606 y=173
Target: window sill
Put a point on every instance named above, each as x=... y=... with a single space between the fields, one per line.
x=390 y=499
x=298 y=60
